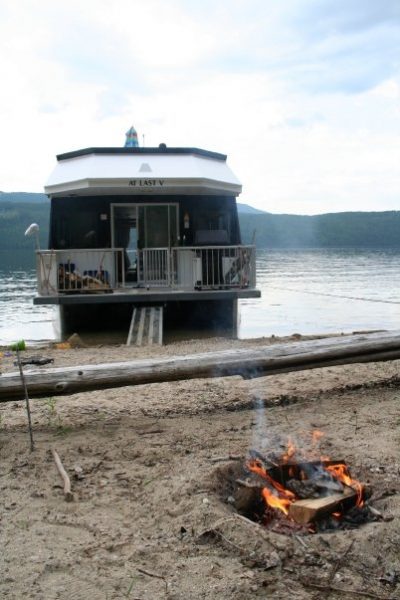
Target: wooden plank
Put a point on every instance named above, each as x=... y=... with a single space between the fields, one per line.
x=160 y=325
x=151 y=325
x=141 y=326
x=129 y=340
x=309 y=510
x=247 y=362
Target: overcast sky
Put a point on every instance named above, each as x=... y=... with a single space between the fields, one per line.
x=303 y=95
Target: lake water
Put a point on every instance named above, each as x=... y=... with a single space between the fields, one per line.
x=303 y=291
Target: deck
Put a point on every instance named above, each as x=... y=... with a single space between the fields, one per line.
x=143 y=295
x=102 y=276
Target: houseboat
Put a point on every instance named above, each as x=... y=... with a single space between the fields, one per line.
x=137 y=227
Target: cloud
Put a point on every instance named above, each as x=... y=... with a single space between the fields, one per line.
x=303 y=96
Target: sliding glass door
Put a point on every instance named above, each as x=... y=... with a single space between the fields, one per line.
x=146 y=232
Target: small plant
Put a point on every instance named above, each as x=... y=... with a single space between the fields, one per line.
x=63 y=429
x=20 y=345
x=130 y=588
x=51 y=404
x=54 y=418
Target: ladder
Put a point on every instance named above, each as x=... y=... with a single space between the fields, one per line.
x=146 y=326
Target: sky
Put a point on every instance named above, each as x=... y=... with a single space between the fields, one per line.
x=302 y=95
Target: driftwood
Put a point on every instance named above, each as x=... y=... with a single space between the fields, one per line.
x=307 y=511
x=249 y=362
x=67 y=482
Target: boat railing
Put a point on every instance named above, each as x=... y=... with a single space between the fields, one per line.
x=104 y=270
x=80 y=270
x=154 y=267
x=214 y=267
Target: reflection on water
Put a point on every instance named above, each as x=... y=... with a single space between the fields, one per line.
x=303 y=291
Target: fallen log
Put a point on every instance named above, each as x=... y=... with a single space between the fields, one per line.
x=248 y=362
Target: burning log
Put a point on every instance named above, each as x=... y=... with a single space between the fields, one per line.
x=314 y=488
x=311 y=509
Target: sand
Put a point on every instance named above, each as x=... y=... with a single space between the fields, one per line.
x=151 y=517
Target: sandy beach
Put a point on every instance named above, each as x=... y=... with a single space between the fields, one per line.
x=152 y=517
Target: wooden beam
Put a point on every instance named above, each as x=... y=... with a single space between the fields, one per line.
x=130 y=333
x=309 y=510
x=248 y=362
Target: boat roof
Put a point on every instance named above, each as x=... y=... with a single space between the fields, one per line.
x=161 y=149
x=138 y=171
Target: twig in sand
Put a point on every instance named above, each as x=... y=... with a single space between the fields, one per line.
x=225 y=458
x=328 y=587
x=150 y=574
x=356 y=420
x=339 y=562
x=335 y=569
x=216 y=532
x=259 y=529
x=150 y=432
x=28 y=408
x=67 y=482
x=249 y=484
x=217 y=524
x=302 y=542
x=332 y=588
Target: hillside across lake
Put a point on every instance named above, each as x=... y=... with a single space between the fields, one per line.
x=335 y=230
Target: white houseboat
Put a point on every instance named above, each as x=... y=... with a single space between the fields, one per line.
x=136 y=227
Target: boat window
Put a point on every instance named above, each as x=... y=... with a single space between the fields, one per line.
x=213 y=221
x=77 y=233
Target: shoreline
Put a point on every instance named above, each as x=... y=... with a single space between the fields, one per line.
x=147 y=485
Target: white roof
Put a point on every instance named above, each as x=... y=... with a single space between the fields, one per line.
x=140 y=170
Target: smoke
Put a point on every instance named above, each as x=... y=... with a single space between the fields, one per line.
x=259 y=433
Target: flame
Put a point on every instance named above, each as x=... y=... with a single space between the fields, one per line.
x=276 y=497
x=275 y=501
x=340 y=472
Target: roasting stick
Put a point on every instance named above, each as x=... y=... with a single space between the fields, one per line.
x=67 y=482
x=28 y=409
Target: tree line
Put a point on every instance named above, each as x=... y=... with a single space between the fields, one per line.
x=335 y=230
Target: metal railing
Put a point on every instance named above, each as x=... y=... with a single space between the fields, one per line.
x=154 y=267
x=79 y=270
x=211 y=267
x=105 y=269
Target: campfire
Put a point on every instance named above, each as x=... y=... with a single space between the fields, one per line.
x=294 y=490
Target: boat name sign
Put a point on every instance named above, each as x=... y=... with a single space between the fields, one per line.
x=146 y=182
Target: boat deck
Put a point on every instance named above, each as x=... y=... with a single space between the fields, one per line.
x=142 y=295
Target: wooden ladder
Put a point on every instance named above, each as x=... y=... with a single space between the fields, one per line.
x=146 y=326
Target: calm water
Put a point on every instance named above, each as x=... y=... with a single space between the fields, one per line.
x=324 y=291
x=305 y=291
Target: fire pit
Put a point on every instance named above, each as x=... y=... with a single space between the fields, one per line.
x=293 y=491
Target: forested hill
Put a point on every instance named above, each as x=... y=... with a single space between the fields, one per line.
x=22 y=197
x=336 y=230
x=15 y=218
